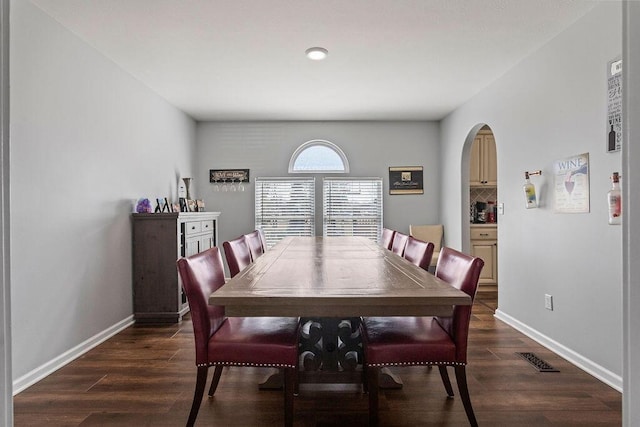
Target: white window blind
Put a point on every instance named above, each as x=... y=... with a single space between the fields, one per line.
x=352 y=207
x=285 y=207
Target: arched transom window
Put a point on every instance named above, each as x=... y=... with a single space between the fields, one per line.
x=318 y=156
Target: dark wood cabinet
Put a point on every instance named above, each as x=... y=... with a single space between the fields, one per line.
x=159 y=239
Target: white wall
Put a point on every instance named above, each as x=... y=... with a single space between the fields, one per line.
x=6 y=404
x=631 y=179
x=549 y=107
x=266 y=148
x=86 y=139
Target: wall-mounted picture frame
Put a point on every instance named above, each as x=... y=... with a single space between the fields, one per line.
x=571 y=184
x=406 y=180
x=228 y=175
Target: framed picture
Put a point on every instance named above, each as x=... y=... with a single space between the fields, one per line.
x=571 y=184
x=228 y=175
x=406 y=180
x=162 y=205
x=191 y=205
x=183 y=204
x=200 y=205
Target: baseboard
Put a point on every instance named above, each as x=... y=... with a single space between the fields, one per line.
x=53 y=365
x=587 y=365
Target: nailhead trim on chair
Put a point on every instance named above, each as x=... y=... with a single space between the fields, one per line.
x=260 y=365
x=381 y=365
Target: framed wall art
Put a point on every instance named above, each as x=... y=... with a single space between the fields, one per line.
x=406 y=180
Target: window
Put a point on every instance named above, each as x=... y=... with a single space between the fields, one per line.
x=318 y=156
x=285 y=207
x=352 y=207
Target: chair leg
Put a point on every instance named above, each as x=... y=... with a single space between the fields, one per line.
x=201 y=382
x=289 y=388
x=461 y=378
x=373 y=384
x=215 y=380
x=444 y=374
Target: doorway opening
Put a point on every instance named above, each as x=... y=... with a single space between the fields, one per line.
x=482 y=209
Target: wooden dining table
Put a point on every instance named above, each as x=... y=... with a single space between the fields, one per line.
x=334 y=277
x=330 y=282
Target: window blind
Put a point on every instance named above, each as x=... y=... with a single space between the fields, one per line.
x=285 y=207
x=352 y=207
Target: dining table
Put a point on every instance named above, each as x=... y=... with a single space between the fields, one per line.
x=330 y=283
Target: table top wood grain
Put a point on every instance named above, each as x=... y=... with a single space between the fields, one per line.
x=332 y=277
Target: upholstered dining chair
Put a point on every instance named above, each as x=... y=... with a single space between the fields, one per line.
x=255 y=244
x=399 y=243
x=429 y=233
x=233 y=341
x=237 y=253
x=418 y=252
x=387 y=238
x=411 y=341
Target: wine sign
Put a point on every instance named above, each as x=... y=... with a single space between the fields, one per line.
x=571 y=185
x=614 y=105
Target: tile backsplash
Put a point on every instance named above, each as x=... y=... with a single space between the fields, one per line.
x=483 y=194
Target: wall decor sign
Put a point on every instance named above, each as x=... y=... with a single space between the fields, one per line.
x=614 y=105
x=571 y=184
x=228 y=175
x=405 y=180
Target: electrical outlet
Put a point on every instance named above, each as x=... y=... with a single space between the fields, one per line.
x=548 y=302
x=500 y=208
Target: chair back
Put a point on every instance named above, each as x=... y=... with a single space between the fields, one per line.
x=428 y=233
x=399 y=243
x=263 y=239
x=255 y=244
x=238 y=254
x=418 y=252
x=461 y=271
x=386 y=240
x=201 y=274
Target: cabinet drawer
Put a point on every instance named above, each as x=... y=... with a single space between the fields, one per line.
x=207 y=225
x=481 y=233
x=192 y=227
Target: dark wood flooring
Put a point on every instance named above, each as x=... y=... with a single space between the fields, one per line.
x=145 y=376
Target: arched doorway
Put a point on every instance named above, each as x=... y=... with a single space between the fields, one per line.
x=481 y=208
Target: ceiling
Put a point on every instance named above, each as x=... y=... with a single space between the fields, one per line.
x=388 y=59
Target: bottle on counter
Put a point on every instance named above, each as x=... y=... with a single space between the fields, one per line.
x=529 y=192
x=491 y=212
x=614 y=197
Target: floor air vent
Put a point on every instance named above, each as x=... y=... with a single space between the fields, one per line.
x=537 y=362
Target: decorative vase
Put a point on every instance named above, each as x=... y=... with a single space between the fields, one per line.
x=187 y=182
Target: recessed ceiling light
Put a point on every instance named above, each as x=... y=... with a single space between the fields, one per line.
x=316 y=53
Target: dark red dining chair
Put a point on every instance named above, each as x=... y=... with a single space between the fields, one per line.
x=399 y=243
x=238 y=254
x=263 y=239
x=411 y=341
x=387 y=238
x=418 y=252
x=255 y=244
x=233 y=341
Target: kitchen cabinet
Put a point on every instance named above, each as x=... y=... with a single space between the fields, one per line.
x=483 y=168
x=159 y=239
x=484 y=244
